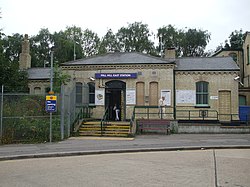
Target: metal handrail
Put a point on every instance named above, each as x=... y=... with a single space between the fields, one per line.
x=104 y=119
x=84 y=112
x=132 y=120
x=182 y=114
x=200 y=114
x=148 y=112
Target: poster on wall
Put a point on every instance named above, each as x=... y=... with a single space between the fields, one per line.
x=130 y=97
x=166 y=94
x=99 y=97
x=185 y=96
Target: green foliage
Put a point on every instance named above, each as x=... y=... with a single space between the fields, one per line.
x=41 y=48
x=65 y=43
x=187 y=43
x=12 y=47
x=195 y=42
x=109 y=43
x=63 y=47
x=59 y=79
x=73 y=40
x=90 y=43
x=236 y=40
x=26 y=121
x=30 y=130
x=10 y=76
x=135 y=37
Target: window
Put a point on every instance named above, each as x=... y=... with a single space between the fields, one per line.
x=91 y=92
x=202 y=93
x=37 y=90
x=153 y=94
x=79 y=93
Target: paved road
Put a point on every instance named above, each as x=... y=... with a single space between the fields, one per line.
x=88 y=145
x=196 y=168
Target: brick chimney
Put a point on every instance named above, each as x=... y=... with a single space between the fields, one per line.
x=25 y=58
x=170 y=53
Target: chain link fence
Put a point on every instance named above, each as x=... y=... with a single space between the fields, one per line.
x=23 y=118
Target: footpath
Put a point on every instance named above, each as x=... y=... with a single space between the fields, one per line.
x=142 y=143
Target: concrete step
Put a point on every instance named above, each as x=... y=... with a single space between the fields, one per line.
x=112 y=128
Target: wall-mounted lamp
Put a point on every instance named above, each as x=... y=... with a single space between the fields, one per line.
x=92 y=78
x=238 y=80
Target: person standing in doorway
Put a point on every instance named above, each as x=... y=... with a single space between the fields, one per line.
x=162 y=107
x=116 y=109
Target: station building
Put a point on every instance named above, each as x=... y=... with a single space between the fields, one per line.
x=241 y=57
x=192 y=87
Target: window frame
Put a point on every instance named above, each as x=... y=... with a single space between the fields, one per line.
x=78 y=93
x=202 y=94
x=91 y=93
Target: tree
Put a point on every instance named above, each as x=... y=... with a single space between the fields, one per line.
x=187 y=43
x=169 y=37
x=90 y=43
x=135 y=37
x=59 y=78
x=195 y=42
x=41 y=47
x=109 y=43
x=11 y=77
x=74 y=36
x=235 y=40
x=12 y=47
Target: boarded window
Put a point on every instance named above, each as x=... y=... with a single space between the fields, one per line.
x=37 y=90
x=153 y=94
x=140 y=93
x=225 y=105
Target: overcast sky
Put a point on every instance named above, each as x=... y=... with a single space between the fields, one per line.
x=219 y=17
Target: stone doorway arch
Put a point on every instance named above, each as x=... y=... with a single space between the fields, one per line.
x=115 y=93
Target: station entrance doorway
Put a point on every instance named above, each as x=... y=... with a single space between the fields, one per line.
x=115 y=92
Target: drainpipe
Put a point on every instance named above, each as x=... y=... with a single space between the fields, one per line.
x=174 y=94
x=243 y=67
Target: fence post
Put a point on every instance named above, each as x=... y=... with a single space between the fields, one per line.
x=69 y=114
x=62 y=112
x=1 y=128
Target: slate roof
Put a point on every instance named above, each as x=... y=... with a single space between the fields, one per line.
x=119 y=58
x=206 y=64
x=182 y=64
x=38 y=73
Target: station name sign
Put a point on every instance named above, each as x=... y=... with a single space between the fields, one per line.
x=116 y=75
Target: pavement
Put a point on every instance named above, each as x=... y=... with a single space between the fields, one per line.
x=76 y=146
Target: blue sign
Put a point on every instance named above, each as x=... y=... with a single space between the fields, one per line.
x=116 y=75
x=50 y=105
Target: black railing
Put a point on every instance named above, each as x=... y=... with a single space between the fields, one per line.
x=84 y=112
x=154 y=112
x=197 y=115
x=132 y=122
x=104 y=120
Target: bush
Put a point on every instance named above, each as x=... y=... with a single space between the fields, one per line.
x=30 y=130
x=26 y=121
